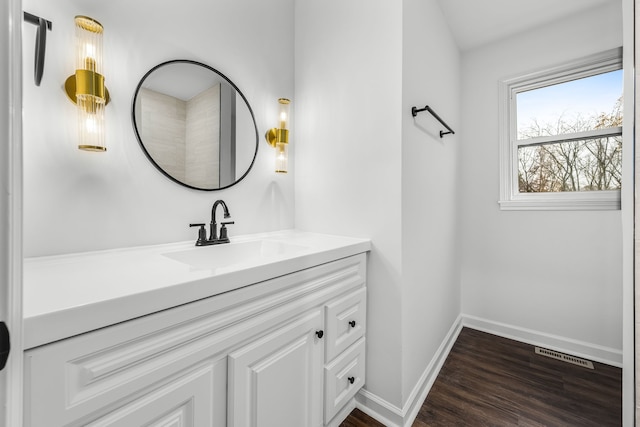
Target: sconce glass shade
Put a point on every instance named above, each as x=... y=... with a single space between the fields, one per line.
x=88 y=44
x=282 y=157
x=278 y=137
x=283 y=114
x=90 y=92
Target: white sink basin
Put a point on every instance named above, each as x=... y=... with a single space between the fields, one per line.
x=228 y=254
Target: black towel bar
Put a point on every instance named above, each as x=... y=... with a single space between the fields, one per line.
x=415 y=111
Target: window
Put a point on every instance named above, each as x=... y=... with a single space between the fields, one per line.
x=561 y=143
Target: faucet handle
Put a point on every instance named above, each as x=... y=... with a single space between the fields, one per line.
x=223 y=230
x=202 y=233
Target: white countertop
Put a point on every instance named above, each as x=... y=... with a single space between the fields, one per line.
x=71 y=294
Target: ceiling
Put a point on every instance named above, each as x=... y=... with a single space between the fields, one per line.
x=478 y=22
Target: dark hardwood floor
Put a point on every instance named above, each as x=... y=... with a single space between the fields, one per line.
x=493 y=381
x=357 y=418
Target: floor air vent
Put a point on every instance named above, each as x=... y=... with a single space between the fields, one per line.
x=564 y=357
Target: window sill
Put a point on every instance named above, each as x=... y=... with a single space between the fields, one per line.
x=602 y=200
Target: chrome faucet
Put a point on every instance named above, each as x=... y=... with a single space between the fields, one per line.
x=213 y=227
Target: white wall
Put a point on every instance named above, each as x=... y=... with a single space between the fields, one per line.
x=557 y=273
x=348 y=62
x=77 y=201
x=367 y=168
x=430 y=282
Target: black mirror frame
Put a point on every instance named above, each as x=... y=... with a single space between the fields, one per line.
x=144 y=149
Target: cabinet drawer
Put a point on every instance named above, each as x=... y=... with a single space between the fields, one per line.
x=346 y=317
x=343 y=378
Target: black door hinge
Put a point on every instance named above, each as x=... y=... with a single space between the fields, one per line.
x=5 y=345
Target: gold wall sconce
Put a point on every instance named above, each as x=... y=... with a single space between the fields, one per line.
x=86 y=87
x=279 y=137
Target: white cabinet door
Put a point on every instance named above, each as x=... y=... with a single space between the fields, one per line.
x=188 y=401
x=276 y=380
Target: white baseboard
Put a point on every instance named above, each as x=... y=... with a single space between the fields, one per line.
x=379 y=409
x=393 y=416
x=606 y=355
x=342 y=414
x=428 y=377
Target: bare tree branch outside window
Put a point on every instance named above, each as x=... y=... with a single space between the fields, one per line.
x=589 y=164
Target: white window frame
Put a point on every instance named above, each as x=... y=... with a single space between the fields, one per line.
x=510 y=196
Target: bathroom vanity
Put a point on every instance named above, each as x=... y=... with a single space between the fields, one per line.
x=268 y=330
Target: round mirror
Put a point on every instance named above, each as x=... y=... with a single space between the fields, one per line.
x=195 y=125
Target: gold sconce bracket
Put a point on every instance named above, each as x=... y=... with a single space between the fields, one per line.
x=275 y=135
x=90 y=83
